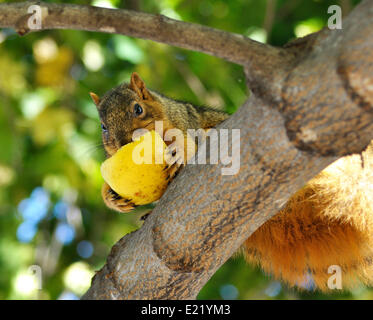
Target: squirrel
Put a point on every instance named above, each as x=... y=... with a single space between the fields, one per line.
x=132 y=106
x=329 y=222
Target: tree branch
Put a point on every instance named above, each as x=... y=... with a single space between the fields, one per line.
x=325 y=111
x=232 y=47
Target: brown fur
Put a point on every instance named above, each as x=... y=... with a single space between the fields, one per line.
x=116 y=111
x=328 y=222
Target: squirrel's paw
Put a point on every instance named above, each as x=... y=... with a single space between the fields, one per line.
x=174 y=162
x=115 y=201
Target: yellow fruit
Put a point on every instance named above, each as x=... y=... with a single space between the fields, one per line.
x=141 y=182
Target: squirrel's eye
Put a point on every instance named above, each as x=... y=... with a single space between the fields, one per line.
x=137 y=109
x=103 y=127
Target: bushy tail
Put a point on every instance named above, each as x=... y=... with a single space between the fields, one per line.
x=328 y=222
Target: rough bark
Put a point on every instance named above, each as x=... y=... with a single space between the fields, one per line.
x=312 y=102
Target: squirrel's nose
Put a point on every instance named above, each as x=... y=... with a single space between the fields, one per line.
x=121 y=141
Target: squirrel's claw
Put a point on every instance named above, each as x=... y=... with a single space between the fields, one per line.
x=115 y=201
x=173 y=171
x=174 y=160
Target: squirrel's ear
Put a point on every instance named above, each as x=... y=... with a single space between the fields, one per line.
x=95 y=98
x=138 y=85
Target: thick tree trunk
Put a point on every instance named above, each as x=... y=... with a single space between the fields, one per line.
x=311 y=102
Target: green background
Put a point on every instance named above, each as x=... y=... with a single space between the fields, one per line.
x=51 y=211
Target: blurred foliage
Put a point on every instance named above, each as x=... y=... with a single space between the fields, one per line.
x=51 y=212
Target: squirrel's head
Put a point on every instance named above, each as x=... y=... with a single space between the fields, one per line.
x=125 y=109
